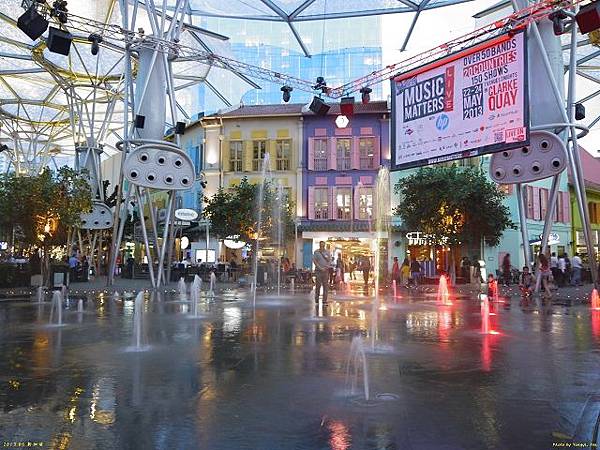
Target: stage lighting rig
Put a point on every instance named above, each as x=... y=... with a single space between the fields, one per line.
x=286 y=93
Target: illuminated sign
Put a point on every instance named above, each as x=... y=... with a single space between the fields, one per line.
x=470 y=103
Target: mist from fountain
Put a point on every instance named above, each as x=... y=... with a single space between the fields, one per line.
x=56 y=309
x=80 y=305
x=40 y=294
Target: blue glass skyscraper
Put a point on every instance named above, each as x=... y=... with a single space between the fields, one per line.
x=341 y=51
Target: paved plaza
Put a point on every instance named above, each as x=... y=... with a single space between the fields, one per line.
x=279 y=372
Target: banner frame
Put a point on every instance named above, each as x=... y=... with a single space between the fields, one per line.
x=478 y=151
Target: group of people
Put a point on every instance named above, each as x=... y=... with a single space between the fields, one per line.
x=408 y=274
x=333 y=273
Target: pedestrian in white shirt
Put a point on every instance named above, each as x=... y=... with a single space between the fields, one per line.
x=576 y=266
x=562 y=269
x=554 y=267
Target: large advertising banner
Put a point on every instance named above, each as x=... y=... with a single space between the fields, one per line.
x=468 y=104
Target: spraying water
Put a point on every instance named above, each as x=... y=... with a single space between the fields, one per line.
x=382 y=214
x=181 y=287
x=195 y=295
x=595 y=300
x=485 y=314
x=443 y=296
x=40 y=294
x=279 y=228
x=80 y=305
x=394 y=288
x=138 y=315
x=213 y=282
x=64 y=292
x=357 y=361
x=115 y=296
x=56 y=309
x=261 y=200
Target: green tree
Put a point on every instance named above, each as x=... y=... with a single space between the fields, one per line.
x=453 y=205
x=38 y=210
x=234 y=211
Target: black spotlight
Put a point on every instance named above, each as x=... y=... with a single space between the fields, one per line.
x=32 y=23
x=286 y=93
x=321 y=85
x=558 y=22
x=59 y=41
x=95 y=39
x=180 y=128
x=579 y=111
x=59 y=10
x=139 y=121
x=318 y=106
x=365 y=93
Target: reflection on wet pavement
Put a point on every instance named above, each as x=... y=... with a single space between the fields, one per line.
x=275 y=376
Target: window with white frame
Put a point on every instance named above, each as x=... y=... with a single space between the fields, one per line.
x=320 y=150
x=283 y=148
x=259 y=149
x=365 y=203
x=366 y=147
x=236 y=156
x=343 y=203
x=343 y=158
x=321 y=203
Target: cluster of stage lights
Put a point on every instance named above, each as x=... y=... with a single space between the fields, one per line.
x=34 y=23
x=320 y=108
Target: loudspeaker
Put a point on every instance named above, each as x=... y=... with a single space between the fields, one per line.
x=588 y=17
x=59 y=41
x=32 y=23
x=140 y=121
x=347 y=106
x=319 y=107
x=180 y=128
x=579 y=111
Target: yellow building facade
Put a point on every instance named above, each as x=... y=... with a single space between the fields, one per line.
x=239 y=140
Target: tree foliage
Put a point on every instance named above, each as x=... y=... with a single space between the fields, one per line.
x=39 y=209
x=234 y=211
x=453 y=205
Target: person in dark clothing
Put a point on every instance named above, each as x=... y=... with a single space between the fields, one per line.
x=506 y=269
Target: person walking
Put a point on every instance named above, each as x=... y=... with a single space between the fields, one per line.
x=545 y=273
x=396 y=272
x=415 y=271
x=506 y=269
x=365 y=266
x=322 y=262
x=554 y=267
x=576 y=267
x=405 y=272
x=562 y=271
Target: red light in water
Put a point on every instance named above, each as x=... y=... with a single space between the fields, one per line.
x=339 y=438
x=596 y=324
x=486 y=354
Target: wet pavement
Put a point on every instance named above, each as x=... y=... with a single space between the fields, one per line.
x=275 y=374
